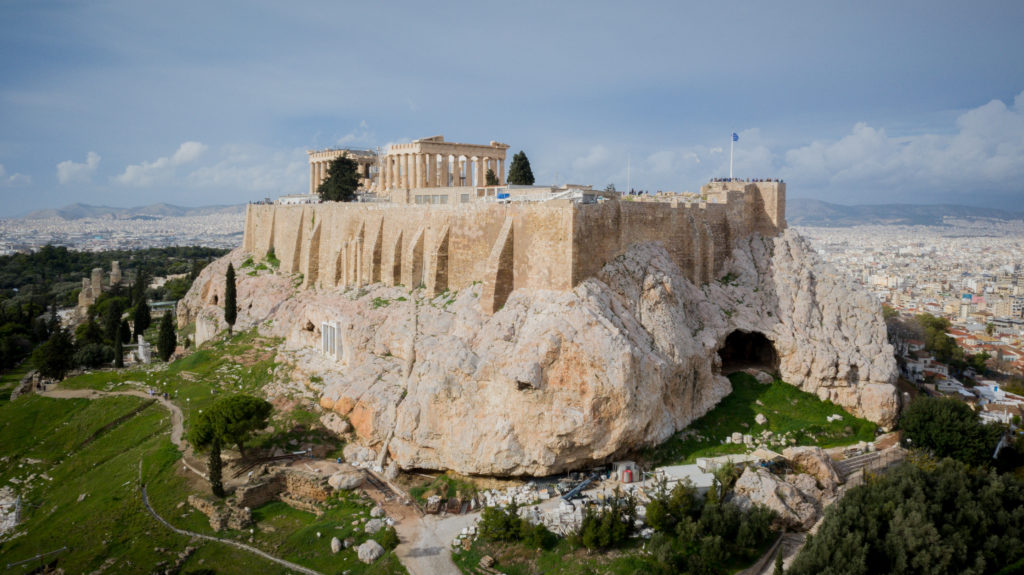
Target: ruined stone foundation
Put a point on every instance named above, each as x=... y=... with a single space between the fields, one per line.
x=557 y=380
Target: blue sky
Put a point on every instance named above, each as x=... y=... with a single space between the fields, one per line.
x=127 y=103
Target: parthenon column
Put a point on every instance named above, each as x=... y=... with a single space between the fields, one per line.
x=501 y=171
x=431 y=160
x=421 y=171
x=409 y=167
x=392 y=177
x=312 y=179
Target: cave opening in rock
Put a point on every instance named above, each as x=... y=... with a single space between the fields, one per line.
x=746 y=349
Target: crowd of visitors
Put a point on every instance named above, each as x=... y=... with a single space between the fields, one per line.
x=748 y=180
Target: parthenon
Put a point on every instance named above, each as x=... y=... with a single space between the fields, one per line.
x=432 y=163
x=424 y=163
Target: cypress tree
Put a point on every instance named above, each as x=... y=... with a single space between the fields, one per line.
x=118 y=348
x=491 y=178
x=519 y=172
x=214 y=465
x=112 y=321
x=778 y=564
x=138 y=291
x=143 y=318
x=230 y=307
x=126 y=332
x=166 y=341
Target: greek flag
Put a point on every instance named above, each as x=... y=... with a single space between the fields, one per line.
x=735 y=137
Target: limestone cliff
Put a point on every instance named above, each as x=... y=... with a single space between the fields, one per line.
x=556 y=380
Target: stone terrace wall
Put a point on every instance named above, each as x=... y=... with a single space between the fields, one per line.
x=551 y=245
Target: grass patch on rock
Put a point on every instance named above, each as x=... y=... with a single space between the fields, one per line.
x=790 y=412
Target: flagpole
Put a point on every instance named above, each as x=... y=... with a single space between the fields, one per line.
x=732 y=141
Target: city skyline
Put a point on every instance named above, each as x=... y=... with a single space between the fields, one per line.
x=128 y=104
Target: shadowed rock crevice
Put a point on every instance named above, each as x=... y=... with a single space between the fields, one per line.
x=743 y=350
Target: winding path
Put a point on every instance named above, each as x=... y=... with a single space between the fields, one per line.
x=177 y=433
x=177 y=418
x=242 y=546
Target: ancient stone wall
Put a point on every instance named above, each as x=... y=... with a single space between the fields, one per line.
x=257 y=494
x=306 y=485
x=547 y=245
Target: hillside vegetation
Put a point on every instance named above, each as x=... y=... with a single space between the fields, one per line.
x=76 y=464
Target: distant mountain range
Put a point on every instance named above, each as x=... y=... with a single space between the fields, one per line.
x=799 y=212
x=79 y=211
x=808 y=212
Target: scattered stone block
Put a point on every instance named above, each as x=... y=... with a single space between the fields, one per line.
x=373 y=526
x=369 y=552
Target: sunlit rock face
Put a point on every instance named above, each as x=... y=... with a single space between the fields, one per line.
x=558 y=380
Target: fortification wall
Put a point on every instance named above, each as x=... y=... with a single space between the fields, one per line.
x=547 y=245
x=439 y=247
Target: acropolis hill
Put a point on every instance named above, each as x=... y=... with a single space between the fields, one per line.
x=508 y=330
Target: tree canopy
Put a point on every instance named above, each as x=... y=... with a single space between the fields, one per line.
x=55 y=357
x=935 y=518
x=947 y=427
x=491 y=178
x=519 y=172
x=342 y=181
x=231 y=420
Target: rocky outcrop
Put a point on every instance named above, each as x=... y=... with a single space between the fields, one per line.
x=558 y=380
x=815 y=462
x=796 y=509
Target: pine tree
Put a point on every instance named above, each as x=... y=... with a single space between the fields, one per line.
x=519 y=172
x=491 y=178
x=143 y=318
x=230 y=306
x=166 y=340
x=118 y=348
x=214 y=465
x=230 y=420
x=342 y=181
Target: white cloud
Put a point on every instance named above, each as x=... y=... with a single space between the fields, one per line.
x=361 y=136
x=268 y=172
x=69 y=171
x=985 y=153
x=148 y=173
x=14 y=179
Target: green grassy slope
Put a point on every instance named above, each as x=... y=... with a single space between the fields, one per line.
x=91 y=449
x=789 y=410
